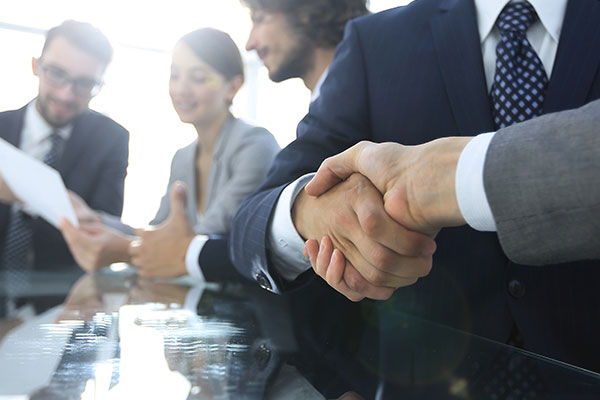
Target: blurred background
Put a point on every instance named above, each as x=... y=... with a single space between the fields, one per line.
x=135 y=94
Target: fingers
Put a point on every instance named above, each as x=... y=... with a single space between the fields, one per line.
x=80 y=245
x=377 y=225
x=330 y=264
x=66 y=227
x=384 y=253
x=310 y=250
x=135 y=251
x=343 y=277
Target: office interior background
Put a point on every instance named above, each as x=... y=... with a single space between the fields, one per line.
x=135 y=93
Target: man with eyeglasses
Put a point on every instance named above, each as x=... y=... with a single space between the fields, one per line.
x=88 y=149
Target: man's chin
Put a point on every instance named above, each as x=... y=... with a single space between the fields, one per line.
x=277 y=76
x=59 y=120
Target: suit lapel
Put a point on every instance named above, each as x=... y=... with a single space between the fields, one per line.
x=458 y=48
x=577 y=58
x=81 y=134
x=190 y=180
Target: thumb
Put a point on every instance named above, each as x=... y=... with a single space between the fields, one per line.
x=66 y=228
x=178 y=198
x=332 y=171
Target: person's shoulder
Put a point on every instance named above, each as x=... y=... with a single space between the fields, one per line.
x=414 y=12
x=186 y=151
x=10 y=115
x=104 y=122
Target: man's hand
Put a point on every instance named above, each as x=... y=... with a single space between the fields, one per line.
x=381 y=254
x=95 y=246
x=417 y=182
x=84 y=214
x=160 y=252
x=6 y=195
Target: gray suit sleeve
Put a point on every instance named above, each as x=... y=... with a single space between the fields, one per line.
x=542 y=180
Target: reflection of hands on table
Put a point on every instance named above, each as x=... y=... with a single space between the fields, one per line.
x=147 y=290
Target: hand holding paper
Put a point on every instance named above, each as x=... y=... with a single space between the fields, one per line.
x=39 y=187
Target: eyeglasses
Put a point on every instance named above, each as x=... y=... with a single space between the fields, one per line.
x=58 y=78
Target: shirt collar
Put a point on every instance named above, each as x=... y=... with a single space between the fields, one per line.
x=317 y=90
x=38 y=126
x=551 y=13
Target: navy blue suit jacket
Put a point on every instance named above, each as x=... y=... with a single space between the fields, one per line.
x=411 y=75
x=93 y=165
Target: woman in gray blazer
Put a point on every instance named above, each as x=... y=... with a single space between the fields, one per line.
x=226 y=162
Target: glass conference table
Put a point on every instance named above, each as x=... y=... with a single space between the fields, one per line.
x=114 y=335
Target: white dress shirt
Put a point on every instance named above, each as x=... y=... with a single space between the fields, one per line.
x=543 y=36
x=284 y=241
x=35 y=135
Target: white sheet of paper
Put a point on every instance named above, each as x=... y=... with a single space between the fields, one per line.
x=37 y=185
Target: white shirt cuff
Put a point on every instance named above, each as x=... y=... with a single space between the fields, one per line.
x=284 y=241
x=470 y=190
x=192 y=255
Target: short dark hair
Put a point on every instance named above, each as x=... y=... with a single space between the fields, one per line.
x=85 y=37
x=321 y=21
x=217 y=49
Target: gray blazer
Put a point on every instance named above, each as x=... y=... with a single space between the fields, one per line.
x=241 y=159
x=542 y=180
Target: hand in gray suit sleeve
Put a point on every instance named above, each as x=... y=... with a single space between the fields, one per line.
x=542 y=180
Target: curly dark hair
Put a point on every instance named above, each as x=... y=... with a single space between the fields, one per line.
x=321 y=21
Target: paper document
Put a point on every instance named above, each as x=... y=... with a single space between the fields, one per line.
x=37 y=185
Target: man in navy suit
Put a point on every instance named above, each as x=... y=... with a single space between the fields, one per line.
x=89 y=149
x=411 y=75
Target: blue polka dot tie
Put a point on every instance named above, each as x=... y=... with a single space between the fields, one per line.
x=520 y=80
x=17 y=256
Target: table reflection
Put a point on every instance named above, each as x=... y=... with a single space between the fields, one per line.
x=117 y=336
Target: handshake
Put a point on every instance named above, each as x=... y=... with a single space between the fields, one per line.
x=371 y=214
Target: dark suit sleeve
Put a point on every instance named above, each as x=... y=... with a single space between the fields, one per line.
x=215 y=262
x=338 y=119
x=542 y=181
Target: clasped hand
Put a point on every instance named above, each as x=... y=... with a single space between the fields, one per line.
x=383 y=205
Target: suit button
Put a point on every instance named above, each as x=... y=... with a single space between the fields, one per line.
x=516 y=289
x=262 y=280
